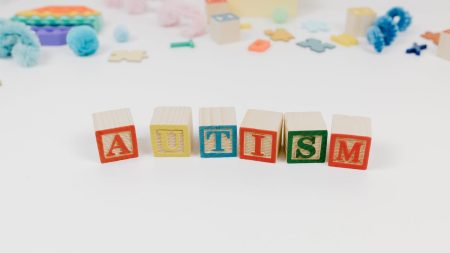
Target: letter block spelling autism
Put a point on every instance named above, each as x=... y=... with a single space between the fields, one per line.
x=350 y=142
x=171 y=131
x=306 y=137
x=218 y=132
x=116 y=135
x=260 y=136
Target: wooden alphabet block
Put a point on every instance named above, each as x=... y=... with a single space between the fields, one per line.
x=350 y=142
x=214 y=7
x=116 y=135
x=225 y=28
x=260 y=136
x=171 y=131
x=444 y=45
x=262 y=8
x=306 y=137
x=359 y=20
x=218 y=132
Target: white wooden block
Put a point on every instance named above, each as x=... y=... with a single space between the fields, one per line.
x=171 y=131
x=215 y=7
x=260 y=135
x=116 y=135
x=225 y=28
x=350 y=143
x=306 y=137
x=444 y=45
x=359 y=20
x=218 y=132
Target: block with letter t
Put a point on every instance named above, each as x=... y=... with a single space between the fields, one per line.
x=306 y=137
x=116 y=135
x=260 y=136
x=218 y=132
x=350 y=142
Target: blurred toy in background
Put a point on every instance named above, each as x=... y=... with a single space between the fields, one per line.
x=121 y=34
x=131 y=6
x=280 y=15
x=263 y=8
x=384 y=32
x=83 y=40
x=60 y=16
x=52 y=23
x=129 y=56
x=444 y=45
x=174 y=12
x=19 y=42
x=359 y=20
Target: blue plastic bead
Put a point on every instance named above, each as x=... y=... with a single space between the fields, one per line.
x=121 y=34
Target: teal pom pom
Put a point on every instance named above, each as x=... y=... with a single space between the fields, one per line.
x=83 y=40
x=121 y=34
x=19 y=42
x=280 y=15
x=404 y=18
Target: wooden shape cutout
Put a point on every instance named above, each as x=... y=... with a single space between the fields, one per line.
x=130 y=56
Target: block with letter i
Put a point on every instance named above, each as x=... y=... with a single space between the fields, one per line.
x=116 y=135
x=171 y=131
x=225 y=28
x=350 y=142
x=260 y=136
x=306 y=137
x=218 y=132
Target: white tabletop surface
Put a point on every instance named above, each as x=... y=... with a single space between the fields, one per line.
x=55 y=196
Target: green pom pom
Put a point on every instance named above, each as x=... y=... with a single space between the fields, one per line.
x=280 y=15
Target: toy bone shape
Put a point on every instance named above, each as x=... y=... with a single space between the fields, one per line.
x=131 y=56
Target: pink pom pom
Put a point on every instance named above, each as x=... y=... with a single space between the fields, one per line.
x=114 y=3
x=136 y=6
x=172 y=12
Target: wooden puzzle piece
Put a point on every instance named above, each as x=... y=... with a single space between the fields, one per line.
x=416 y=49
x=359 y=20
x=315 y=26
x=316 y=45
x=259 y=46
x=345 y=40
x=444 y=45
x=130 y=56
x=435 y=37
x=279 y=34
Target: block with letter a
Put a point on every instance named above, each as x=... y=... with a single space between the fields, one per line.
x=116 y=135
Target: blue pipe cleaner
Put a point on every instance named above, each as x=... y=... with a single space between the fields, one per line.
x=405 y=19
x=384 y=32
x=19 y=42
x=376 y=38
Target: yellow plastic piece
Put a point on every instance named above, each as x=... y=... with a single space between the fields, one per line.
x=246 y=26
x=345 y=40
x=162 y=147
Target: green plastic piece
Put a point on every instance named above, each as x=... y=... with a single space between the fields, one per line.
x=93 y=21
x=189 y=43
x=280 y=15
x=304 y=149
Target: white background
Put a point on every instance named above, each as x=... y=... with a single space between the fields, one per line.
x=55 y=196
